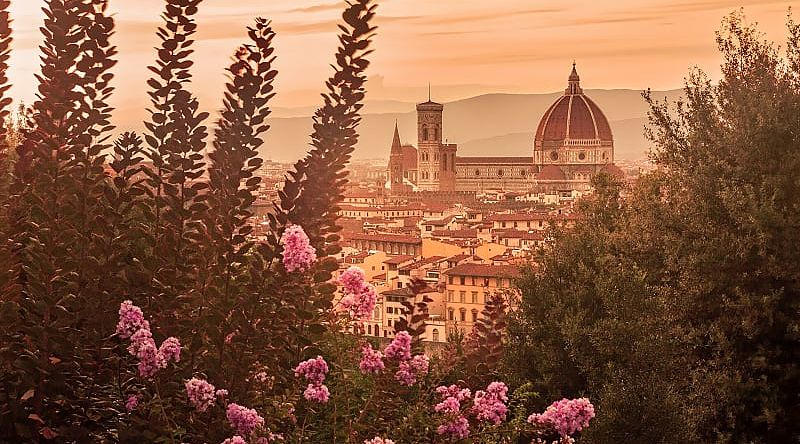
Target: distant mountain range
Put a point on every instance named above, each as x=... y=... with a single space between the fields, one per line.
x=490 y=124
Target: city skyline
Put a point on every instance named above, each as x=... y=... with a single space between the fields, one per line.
x=473 y=48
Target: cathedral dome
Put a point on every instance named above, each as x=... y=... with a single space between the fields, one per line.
x=573 y=116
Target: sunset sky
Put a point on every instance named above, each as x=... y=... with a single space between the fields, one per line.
x=463 y=47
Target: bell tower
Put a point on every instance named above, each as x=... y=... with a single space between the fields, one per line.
x=396 y=183
x=429 y=144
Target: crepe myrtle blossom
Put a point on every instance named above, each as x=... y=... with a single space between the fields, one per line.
x=409 y=371
x=131 y=320
x=235 y=440
x=360 y=296
x=455 y=424
x=245 y=421
x=371 y=360
x=132 y=402
x=317 y=393
x=490 y=405
x=313 y=370
x=566 y=416
x=298 y=253
x=379 y=440
x=400 y=347
x=200 y=393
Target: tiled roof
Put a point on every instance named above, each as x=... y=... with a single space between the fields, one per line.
x=421 y=262
x=399 y=259
x=483 y=160
x=406 y=291
x=385 y=237
x=483 y=270
x=468 y=234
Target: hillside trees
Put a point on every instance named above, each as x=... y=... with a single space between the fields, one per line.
x=678 y=310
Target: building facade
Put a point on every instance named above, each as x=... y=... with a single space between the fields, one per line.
x=573 y=143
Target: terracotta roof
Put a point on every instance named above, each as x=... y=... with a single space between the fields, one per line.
x=483 y=270
x=468 y=234
x=406 y=291
x=386 y=237
x=613 y=170
x=360 y=193
x=551 y=172
x=481 y=160
x=574 y=116
x=421 y=262
x=399 y=259
x=516 y=217
x=439 y=222
x=519 y=234
x=460 y=257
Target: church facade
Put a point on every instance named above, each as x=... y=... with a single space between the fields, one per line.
x=573 y=142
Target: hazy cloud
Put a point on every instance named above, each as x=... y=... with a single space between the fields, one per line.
x=337 y=6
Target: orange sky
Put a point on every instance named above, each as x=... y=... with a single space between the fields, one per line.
x=463 y=47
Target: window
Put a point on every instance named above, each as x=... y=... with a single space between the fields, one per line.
x=424 y=133
x=582 y=156
x=463 y=314
x=485 y=297
x=450 y=314
x=474 y=297
x=389 y=310
x=461 y=296
x=499 y=172
x=477 y=172
x=463 y=280
x=451 y=279
x=435 y=133
x=474 y=315
x=435 y=335
x=369 y=329
x=450 y=295
x=399 y=285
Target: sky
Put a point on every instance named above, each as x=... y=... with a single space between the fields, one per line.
x=461 y=47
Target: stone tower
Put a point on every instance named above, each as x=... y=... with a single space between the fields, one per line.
x=395 y=173
x=435 y=161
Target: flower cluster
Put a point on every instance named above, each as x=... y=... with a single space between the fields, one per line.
x=298 y=253
x=132 y=402
x=235 y=440
x=245 y=421
x=490 y=405
x=143 y=347
x=360 y=296
x=379 y=440
x=200 y=393
x=566 y=416
x=400 y=347
x=371 y=360
x=131 y=320
x=411 y=369
x=455 y=425
x=314 y=371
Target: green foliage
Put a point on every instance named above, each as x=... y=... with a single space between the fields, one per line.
x=675 y=309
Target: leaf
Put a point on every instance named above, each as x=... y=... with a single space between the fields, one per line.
x=27 y=395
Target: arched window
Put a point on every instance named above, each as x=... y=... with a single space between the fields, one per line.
x=477 y=172
x=474 y=315
x=500 y=172
x=424 y=132
x=435 y=335
x=444 y=162
x=369 y=329
x=435 y=133
x=451 y=314
x=463 y=313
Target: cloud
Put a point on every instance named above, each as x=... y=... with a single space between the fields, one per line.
x=337 y=6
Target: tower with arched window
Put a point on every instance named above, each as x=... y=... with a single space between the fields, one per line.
x=435 y=161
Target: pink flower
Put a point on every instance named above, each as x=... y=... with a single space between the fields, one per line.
x=235 y=440
x=200 y=393
x=171 y=349
x=458 y=428
x=371 y=360
x=379 y=440
x=132 y=402
x=131 y=320
x=317 y=393
x=455 y=424
x=400 y=347
x=144 y=348
x=352 y=279
x=410 y=370
x=566 y=416
x=490 y=405
x=313 y=370
x=243 y=420
x=221 y=393
x=298 y=254
x=360 y=296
